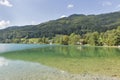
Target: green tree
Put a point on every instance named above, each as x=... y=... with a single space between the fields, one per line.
x=65 y=39
x=74 y=39
x=93 y=38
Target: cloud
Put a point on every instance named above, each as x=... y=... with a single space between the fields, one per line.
x=62 y=16
x=5 y=3
x=70 y=6
x=106 y=3
x=4 y=24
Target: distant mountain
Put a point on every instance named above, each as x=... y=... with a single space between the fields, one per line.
x=76 y=23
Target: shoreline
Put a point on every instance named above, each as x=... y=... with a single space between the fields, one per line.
x=102 y=46
x=66 y=45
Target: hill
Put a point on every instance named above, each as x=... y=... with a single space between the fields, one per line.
x=76 y=23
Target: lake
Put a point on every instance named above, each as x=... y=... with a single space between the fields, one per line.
x=14 y=47
x=58 y=62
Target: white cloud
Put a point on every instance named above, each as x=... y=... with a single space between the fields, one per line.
x=70 y=6
x=62 y=16
x=4 y=24
x=106 y=3
x=5 y=3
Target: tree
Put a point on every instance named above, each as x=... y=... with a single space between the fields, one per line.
x=65 y=39
x=74 y=39
x=117 y=37
x=93 y=38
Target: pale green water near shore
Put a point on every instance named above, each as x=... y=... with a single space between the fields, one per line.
x=59 y=59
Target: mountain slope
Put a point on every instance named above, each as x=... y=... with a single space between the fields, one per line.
x=75 y=23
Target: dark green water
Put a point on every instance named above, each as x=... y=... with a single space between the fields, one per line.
x=60 y=60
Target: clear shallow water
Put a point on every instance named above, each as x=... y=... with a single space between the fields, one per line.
x=21 y=70
x=61 y=62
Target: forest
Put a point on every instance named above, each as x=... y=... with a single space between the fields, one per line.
x=98 y=30
x=108 y=38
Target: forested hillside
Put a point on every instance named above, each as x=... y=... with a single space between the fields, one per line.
x=77 y=23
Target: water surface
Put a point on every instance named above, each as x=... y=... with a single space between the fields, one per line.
x=61 y=63
x=14 y=47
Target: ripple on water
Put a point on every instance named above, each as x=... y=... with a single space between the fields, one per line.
x=20 y=70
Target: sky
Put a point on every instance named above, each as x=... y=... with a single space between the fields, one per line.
x=32 y=12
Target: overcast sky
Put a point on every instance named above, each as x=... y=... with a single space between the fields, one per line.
x=27 y=12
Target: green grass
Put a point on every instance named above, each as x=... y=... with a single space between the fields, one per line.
x=74 y=59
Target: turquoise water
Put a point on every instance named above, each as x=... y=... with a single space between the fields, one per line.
x=57 y=62
x=14 y=47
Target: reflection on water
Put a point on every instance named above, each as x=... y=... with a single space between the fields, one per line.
x=21 y=70
x=14 y=47
x=80 y=51
x=89 y=52
x=26 y=64
x=3 y=62
x=63 y=51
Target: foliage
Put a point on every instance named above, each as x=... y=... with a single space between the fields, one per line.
x=78 y=24
x=76 y=29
